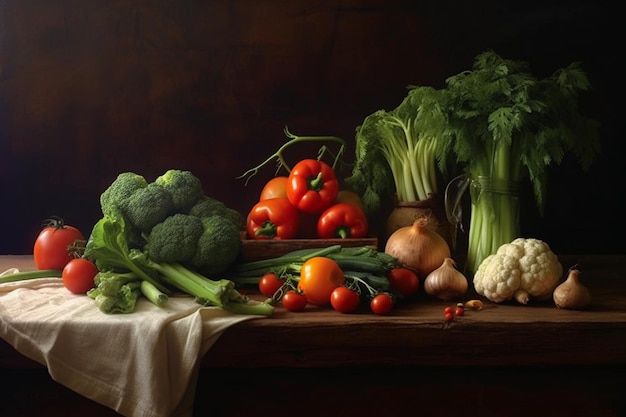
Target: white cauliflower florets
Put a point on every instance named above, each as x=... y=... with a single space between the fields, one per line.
x=522 y=269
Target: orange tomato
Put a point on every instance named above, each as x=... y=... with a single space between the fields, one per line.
x=274 y=188
x=319 y=276
x=349 y=197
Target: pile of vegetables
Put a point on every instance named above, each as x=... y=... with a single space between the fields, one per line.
x=161 y=237
x=335 y=275
x=425 y=251
x=307 y=203
x=497 y=123
x=57 y=253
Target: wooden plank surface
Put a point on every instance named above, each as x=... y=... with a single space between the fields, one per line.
x=416 y=334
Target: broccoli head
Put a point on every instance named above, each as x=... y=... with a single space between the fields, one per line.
x=119 y=191
x=184 y=187
x=218 y=246
x=175 y=239
x=207 y=207
x=148 y=207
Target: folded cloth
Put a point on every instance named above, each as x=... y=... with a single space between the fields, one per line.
x=142 y=364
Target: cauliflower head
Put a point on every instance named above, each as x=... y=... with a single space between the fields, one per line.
x=523 y=269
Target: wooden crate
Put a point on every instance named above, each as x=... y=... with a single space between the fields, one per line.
x=253 y=250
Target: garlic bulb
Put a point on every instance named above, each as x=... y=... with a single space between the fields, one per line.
x=571 y=294
x=446 y=282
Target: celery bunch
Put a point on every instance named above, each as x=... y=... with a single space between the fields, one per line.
x=504 y=126
x=396 y=156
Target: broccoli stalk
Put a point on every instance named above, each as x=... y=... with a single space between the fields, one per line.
x=153 y=294
x=208 y=292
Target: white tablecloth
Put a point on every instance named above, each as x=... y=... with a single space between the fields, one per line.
x=142 y=364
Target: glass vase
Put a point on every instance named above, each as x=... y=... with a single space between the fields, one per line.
x=494 y=218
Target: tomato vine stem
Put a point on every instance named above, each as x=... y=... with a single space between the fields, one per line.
x=294 y=139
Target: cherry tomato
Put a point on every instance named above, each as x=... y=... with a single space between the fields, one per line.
x=459 y=311
x=344 y=300
x=274 y=188
x=381 y=304
x=269 y=284
x=404 y=281
x=51 y=246
x=294 y=301
x=78 y=275
x=319 y=276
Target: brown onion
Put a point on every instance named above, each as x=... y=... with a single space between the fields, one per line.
x=418 y=246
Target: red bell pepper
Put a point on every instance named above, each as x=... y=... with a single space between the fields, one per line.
x=274 y=218
x=312 y=186
x=342 y=220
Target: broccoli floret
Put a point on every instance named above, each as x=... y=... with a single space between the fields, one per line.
x=207 y=207
x=218 y=246
x=148 y=207
x=175 y=239
x=118 y=193
x=184 y=187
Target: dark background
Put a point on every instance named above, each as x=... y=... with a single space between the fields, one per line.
x=89 y=89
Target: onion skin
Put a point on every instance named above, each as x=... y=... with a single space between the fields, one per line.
x=418 y=247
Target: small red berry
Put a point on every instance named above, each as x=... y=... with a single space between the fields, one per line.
x=459 y=311
x=449 y=316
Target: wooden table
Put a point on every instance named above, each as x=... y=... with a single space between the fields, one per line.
x=487 y=360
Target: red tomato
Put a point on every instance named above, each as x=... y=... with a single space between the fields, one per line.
x=274 y=188
x=51 y=246
x=319 y=276
x=294 y=301
x=78 y=275
x=403 y=281
x=344 y=300
x=381 y=304
x=269 y=284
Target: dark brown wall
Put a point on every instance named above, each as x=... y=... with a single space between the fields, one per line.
x=92 y=88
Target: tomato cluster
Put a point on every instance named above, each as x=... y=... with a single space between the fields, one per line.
x=57 y=247
x=450 y=312
x=307 y=204
x=321 y=282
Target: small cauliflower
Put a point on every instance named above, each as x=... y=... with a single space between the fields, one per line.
x=523 y=269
